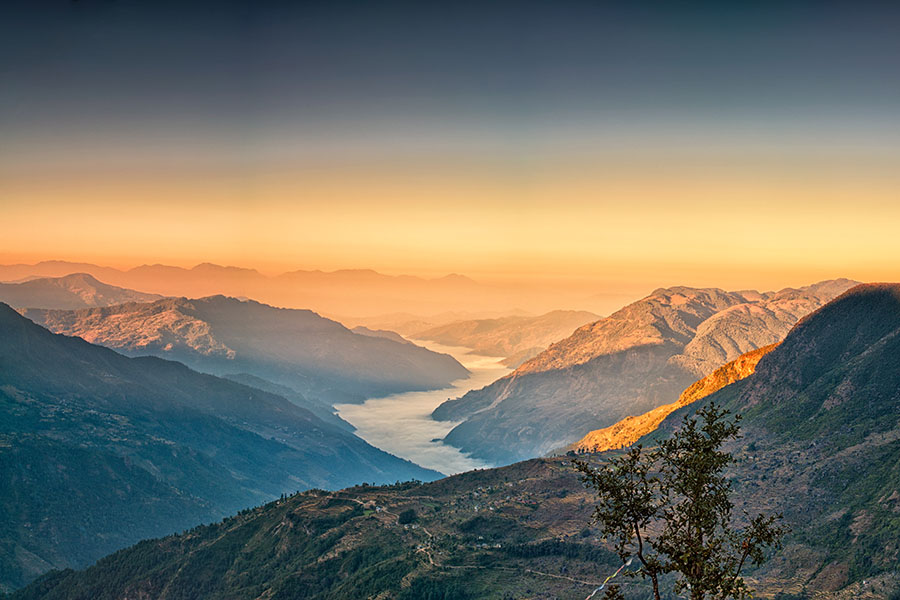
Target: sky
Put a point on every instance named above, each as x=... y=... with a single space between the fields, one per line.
x=620 y=144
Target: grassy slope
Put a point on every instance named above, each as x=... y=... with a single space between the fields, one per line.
x=98 y=450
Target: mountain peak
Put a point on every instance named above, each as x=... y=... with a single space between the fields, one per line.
x=80 y=277
x=208 y=267
x=637 y=359
x=71 y=291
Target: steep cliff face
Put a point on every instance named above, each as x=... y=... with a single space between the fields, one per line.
x=630 y=429
x=631 y=362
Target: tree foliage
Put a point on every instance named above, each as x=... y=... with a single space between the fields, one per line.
x=670 y=508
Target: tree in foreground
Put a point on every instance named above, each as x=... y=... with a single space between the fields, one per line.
x=669 y=509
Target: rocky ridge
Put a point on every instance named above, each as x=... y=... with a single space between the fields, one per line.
x=631 y=362
x=516 y=338
x=315 y=356
x=78 y=290
x=630 y=429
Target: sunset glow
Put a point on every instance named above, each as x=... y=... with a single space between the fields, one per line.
x=705 y=172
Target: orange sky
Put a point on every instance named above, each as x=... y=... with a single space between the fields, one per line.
x=581 y=143
x=617 y=221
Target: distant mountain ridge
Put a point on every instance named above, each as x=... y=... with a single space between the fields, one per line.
x=78 y=290
x=360 y=292
x=98 y=450
x=820 y=442
x=297 y=348
x=409 y=324
x=516 y=338
x=380 y=333
x=631 y=362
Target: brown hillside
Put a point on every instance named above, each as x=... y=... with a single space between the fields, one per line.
x=631 y=429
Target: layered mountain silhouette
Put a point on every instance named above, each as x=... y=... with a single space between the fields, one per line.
x=409 y=324
x=314 y=356
x=99 y=450
x=821 y=442
x=78 y=290
x=516 y=338
x=357 y=292
x=631 y=362
x=380 y=333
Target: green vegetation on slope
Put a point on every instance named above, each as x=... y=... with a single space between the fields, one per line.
x=523 y=531
x=99 y=450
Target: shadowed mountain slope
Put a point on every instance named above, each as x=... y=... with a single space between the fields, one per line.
x=380 y=333
x=630 y=429
x=629 y=363
x=822 y=421
x=315 y=356
x=821 y=442
x=78 y=290
x=98 y=450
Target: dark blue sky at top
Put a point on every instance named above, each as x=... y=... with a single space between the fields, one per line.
x=234 y=68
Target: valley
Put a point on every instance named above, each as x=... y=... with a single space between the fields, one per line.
x=811 y=448
x=402 y=424
x=100 y=450
x=637 y=359
x=508 y=300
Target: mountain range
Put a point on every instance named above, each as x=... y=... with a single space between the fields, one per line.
x=515 y=338
x=99 y=450
x=317 y=357
x=630 y=429
x=78 y=290
x=633 y=361
x=820 y=443
x=357 y=292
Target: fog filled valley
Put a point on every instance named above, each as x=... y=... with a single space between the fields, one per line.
x=410 y=300
x=131 y=444
x=402 y=424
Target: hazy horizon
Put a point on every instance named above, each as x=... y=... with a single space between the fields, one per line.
x=556 y=143
x=488 y=299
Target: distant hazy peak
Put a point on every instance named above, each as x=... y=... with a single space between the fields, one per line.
x=75 y=290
